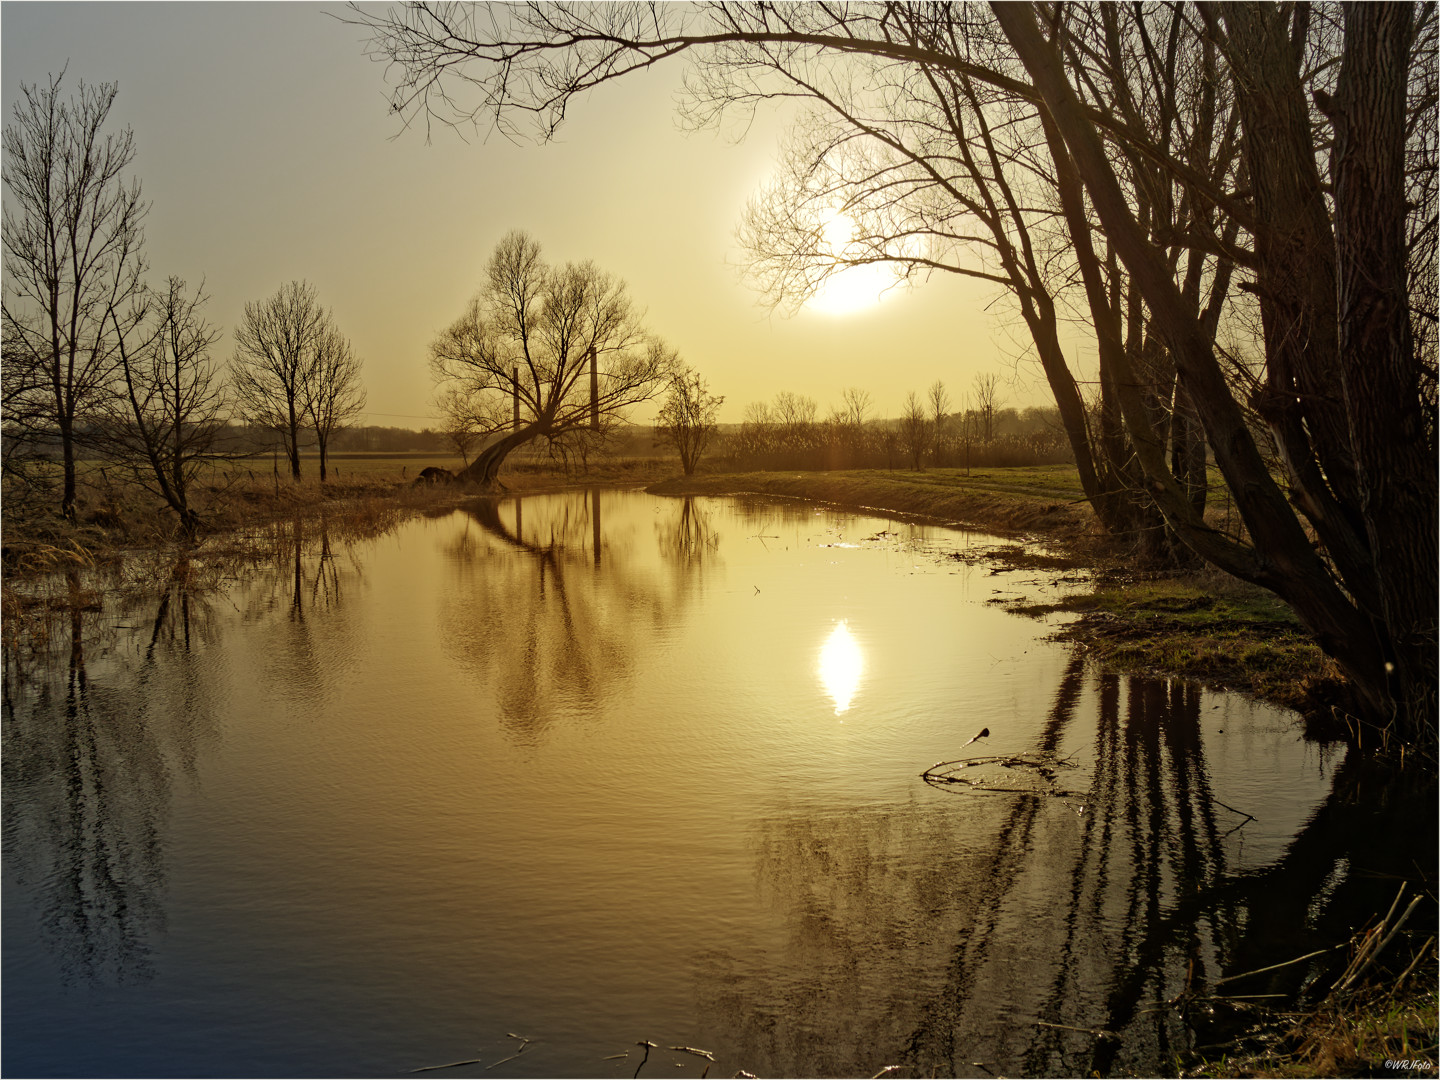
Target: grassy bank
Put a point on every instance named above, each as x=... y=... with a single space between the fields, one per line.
x=1042 y=500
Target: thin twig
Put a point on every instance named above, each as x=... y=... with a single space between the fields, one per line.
x=692 y=1050
x=1272 y=967
x=449 y=1065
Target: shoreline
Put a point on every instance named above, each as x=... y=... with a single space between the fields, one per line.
x=1199 y=625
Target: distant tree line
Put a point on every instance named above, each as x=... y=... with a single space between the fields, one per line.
x=100 y=361
x=788 y=432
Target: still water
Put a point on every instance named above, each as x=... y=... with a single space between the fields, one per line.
x=540 y=780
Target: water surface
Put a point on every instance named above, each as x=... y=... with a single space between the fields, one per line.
x=597 y=768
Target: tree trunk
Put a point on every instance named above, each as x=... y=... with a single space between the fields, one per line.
x=484 y=471
x=1283 y=558
x=67 y=449
x=1395 y=462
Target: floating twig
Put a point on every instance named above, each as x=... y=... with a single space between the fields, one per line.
x=1272 y=967
x=886 y=1071
x=524 y=1042
x=692 y=1050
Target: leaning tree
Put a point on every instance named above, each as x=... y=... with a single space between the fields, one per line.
x=543 y=352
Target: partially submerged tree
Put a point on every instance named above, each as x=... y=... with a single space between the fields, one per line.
x=544 y=352
x=168 y=410
x=687 y=417
x=72 y=241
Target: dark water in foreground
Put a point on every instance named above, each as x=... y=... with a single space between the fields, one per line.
x=590 y=770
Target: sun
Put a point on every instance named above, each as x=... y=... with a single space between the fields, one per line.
x=855 y=288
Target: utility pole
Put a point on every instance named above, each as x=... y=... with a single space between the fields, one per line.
x=594 y=393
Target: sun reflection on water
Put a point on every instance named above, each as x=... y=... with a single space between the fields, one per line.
x=841 y=663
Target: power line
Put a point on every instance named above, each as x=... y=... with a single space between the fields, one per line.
x=401 y=416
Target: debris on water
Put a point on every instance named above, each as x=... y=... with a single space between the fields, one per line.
x=1020 y=774
x=984 y=732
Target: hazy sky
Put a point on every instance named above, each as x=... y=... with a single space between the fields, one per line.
x=267 y=151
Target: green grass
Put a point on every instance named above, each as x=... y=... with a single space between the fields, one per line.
x=1044 y=500
x=1208 y=628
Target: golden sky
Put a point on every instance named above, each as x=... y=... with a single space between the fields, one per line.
x=267 y=151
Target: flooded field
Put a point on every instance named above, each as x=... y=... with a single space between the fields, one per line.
x=533 y=783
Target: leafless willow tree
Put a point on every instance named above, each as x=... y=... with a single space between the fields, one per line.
x=1139 y=159
x=73 y=261
x=169 y=406
x=543 y=351
x=687 y=417
x=292 y=369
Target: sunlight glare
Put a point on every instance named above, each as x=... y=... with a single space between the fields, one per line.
x=854 y=288
x=840 y=666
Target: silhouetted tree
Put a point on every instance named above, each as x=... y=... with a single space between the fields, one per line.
x=73 y=262
x=275 y=349
x=987 y=400
x=938 y=399
x=168 y=412
x=332 y=390
x=687 y=417
x=915 y=432
x=519 y=362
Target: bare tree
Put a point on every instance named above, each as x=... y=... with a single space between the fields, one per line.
x=1343 y=388
x=545 y=352
x=275 y=348
x=847 y=423
x=915 y=433
x=72 y=241
x=687 y=417
x=795 y=416
x=757 y=430
x=938 y=399
x=1169 y=160
x=168 y=411
x=987 y=400
x=331 y=386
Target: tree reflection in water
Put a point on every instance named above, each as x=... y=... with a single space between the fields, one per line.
x=1037 y=927
x=94 y=745
x=554 y=634
x=92 y=749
